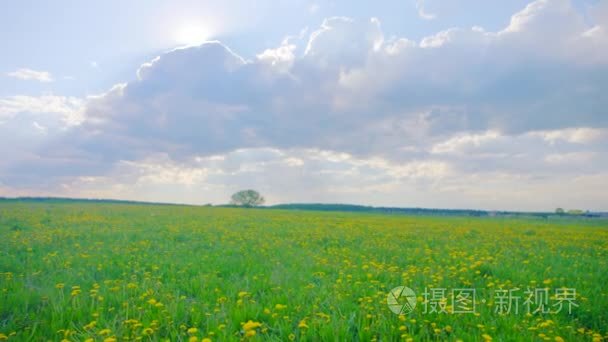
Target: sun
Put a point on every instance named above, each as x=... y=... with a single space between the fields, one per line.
x=191 y=34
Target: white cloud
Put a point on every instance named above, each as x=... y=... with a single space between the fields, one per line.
x=463 y=142
x=422 y=12
x=342 y=41
x=577 y=150
x=352 y=80
x=579 y=135
x=532 y=18
x=29 y=74
x=281 y=58
x=69 y=109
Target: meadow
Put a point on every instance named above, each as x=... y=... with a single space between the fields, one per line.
x=118 y=272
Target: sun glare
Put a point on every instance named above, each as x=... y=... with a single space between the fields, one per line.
x=191 y=35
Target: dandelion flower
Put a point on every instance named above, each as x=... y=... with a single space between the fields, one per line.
x=250 y=325
x=104 y=332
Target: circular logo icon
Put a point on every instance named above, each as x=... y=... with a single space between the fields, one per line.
x=401 y=300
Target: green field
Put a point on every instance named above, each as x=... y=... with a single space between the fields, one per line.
x=114 y=272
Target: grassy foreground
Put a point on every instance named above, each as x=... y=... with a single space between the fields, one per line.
x=114 y=272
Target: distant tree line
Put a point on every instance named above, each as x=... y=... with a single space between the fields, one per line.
x=574 y=212
x=252 y=198
x=418 y=211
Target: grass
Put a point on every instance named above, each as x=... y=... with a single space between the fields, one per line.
x=108 y=272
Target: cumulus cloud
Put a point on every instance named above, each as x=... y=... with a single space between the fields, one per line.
x=29 y=74
x=354 y=112
x=281 y=58
x=349 y=80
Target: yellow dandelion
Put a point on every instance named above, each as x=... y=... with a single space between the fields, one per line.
x=250 y=325
x=90 y=325
x=104 y=332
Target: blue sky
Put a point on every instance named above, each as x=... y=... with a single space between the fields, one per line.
x=494 y=105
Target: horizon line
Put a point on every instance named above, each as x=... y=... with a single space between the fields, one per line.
x=89 y=199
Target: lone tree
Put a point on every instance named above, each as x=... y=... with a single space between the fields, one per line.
x=247 y=198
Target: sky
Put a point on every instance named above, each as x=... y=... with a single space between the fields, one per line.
x=410 y=103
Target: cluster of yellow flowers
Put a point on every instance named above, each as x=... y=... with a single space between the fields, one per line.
x=250 y=327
